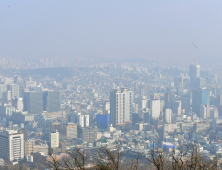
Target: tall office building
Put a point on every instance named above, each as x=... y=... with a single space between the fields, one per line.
x=51 y=101
x=89 y=134
x=200 y=97
x=185 y=102
x=102 y=120
x=186 y=82
x=121 y=105
x=24 y=132
x=54 y=139
x=33 y=102
x=177 y=107
x=72 y=131
x=155 y=108
x=194 y=73
x=14 y=89
x=169 y=97
x=147 y=116
x=219 y=100
x=11 y=145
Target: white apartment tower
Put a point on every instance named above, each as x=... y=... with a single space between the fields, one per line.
x=168 y=116
x=54 y=139
x=18 y=103
x=121 y=105
x=12 y=145
x=155 y=108
x=203 y=111
x=83 y=120
x=14 y=89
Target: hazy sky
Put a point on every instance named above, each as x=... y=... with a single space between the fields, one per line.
x=153 y=29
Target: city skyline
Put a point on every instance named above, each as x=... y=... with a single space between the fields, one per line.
x=107 y=84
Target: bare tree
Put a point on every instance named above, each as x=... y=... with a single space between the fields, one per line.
x=112 y=160
x=187 y=159
x=72 y=159
x=105 y=159
x=158 y=158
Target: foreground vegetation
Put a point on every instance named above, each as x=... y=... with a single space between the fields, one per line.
x=188 y=158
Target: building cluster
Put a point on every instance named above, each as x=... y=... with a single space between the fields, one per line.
x=134 y=108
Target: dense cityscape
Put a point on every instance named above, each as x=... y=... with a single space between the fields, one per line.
x=110 y=85
x=132 y=107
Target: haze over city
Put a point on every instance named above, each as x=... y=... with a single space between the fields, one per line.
x=94 y=85
x=151 y=30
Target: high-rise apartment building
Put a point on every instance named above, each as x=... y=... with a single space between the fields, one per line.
x=14 y=89
x=54 y=139
x=33 y=102
x=168 y=116
x=121 y=105
x=11 y=145
x=106 y=108
x=83 y=120
x=155 y=108
x=194 y=73
x=51 y=101
x=203 y=111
